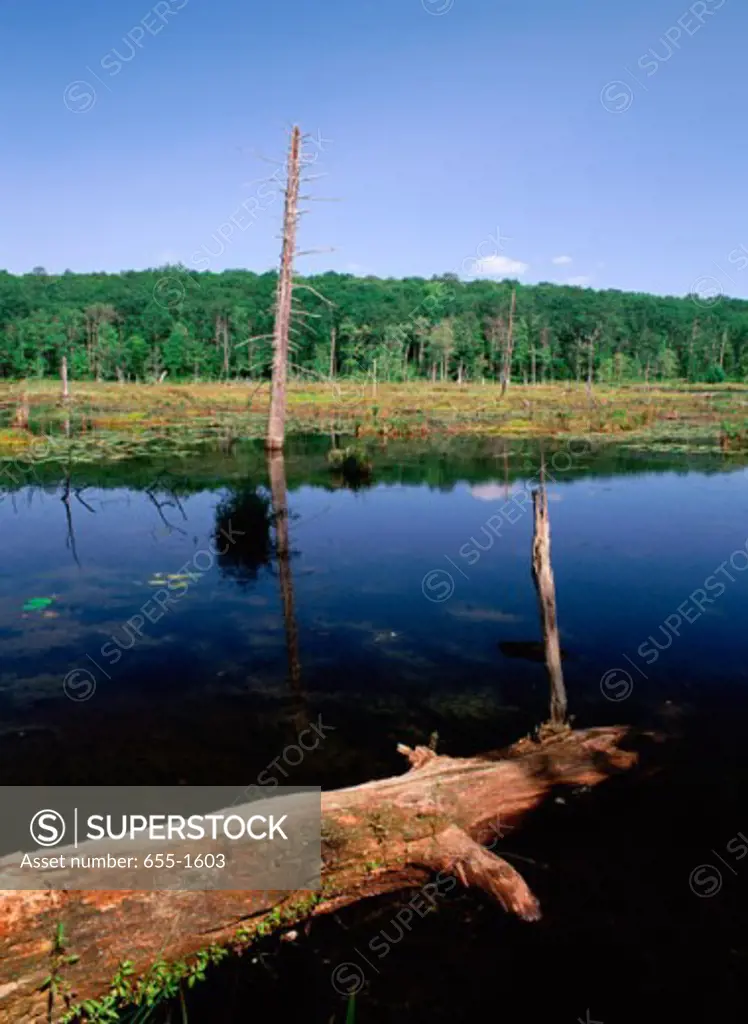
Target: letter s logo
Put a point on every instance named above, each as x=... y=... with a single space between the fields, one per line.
x=47 y=828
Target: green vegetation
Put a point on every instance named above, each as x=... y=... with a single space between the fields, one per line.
x=440 y=462
x=204 y=326
x=106 y=422
x=164 y=981
x=734 y=437
x=55 y=983
x=352 y=463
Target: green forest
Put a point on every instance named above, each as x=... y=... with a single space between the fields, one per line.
x=144 y=325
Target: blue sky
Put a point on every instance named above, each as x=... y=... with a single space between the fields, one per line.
x=464 y=136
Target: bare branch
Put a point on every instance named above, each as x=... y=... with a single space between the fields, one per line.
x=308 y=287
x=314 y=252
x=257 y=337
x=77 y=494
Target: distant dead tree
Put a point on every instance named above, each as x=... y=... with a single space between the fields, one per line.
x=21 y=417
x=64 y=375
x=221 y=339
x=506 y=369
x=333 y=337
x=591 y=358
x=547 y=372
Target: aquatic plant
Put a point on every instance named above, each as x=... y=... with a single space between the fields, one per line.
x=733 y=437
x=352 y=463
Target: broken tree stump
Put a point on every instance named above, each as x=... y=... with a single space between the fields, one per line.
x=542 y=574
x=379 y=837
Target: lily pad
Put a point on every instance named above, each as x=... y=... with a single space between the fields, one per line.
x=35 y=604
x=174 y=581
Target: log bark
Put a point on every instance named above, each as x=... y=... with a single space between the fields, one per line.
x=379 y=837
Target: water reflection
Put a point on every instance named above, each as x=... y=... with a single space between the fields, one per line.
x=330 y=576
x=243 y=520
x=277 y=473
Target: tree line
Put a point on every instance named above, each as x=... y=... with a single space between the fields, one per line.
x=144 y=325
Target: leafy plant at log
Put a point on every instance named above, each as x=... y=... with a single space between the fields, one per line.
x=165 y=980
x=55 y=983
x=162 y=982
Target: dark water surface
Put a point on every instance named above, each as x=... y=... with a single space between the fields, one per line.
x=413 y=612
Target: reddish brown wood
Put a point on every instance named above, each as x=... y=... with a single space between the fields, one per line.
x=437 y=816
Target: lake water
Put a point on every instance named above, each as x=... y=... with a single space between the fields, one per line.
x=410 y=609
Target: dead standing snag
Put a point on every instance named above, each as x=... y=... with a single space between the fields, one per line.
x=277 y=418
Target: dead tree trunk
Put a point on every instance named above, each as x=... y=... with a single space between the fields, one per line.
x=506 y=372
x=542 y=574
x=64 y=375
x=435 y=817
x=591 y=360
x=332 y=352
x=547 y=357
x=21 y=417
x=494 y=332
x=277 y=418
x=226 y=352
x=695 y=329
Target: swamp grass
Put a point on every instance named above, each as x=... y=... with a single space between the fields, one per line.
x=112 y=421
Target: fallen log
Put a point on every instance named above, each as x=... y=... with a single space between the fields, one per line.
x=383 y=836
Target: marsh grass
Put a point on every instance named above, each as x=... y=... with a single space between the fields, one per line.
x=111 y=420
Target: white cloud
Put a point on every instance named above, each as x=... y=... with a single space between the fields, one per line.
x=489 y=492
x=167 y=258
x=562 y=261
x=582 y=280
x=499 y=266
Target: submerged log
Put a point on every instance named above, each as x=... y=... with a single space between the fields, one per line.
x=528 y=650
x=380 y=837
